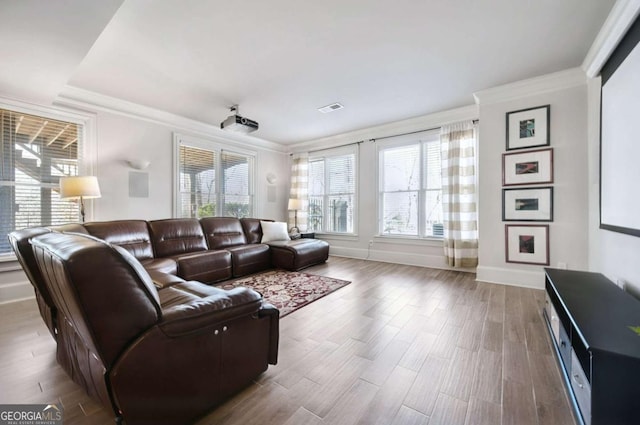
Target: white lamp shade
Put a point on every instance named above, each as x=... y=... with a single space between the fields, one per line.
x=297 y=204
x=79 y=186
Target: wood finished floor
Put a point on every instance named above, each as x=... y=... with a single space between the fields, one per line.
x=399 y=345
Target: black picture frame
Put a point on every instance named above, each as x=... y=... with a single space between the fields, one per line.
x=527 y=168
x=527 y=204
x=529 y=128
x=527 y=244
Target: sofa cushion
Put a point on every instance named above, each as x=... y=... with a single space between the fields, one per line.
x=174 y=297
x=252 y=229
x=223 y=232
x=193 y=306
x=198 y=290
x=274 y=231
x=208 y=266
x=299 y=253
x=176 y=236
x=162 y=265
x=249 y=259
x=132 y=235
x=69 y=228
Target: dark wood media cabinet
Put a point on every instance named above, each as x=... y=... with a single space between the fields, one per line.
x=590 y=319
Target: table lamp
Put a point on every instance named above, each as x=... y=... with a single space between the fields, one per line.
x=79 y=187
x=296 y=204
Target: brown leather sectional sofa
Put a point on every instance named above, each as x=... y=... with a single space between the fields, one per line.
x=136 y=321
x=210 y=249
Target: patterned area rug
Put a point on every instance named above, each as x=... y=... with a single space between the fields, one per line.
x=288 y=291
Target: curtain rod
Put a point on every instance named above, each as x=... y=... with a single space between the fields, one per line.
x=380 y=138
x=338 y=146
x=413 y=132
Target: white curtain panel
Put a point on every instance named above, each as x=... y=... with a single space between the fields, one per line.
x=299 y=188
x=459 y=194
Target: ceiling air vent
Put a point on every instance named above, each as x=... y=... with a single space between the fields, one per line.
x=330 y=108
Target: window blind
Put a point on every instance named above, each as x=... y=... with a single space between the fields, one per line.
x=332 y=192
x=410 y=188
x=236 y=191
x=197 y=182
x=401 y=184
x=35 y=152
x=213 y=182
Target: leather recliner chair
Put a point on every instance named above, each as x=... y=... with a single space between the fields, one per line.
x=153 y=356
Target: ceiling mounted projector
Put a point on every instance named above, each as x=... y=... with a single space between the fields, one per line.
x=237 y=123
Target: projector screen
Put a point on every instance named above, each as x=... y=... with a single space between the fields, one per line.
x=620 y=137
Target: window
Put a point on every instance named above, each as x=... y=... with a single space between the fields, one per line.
x=35 y=151
x=332 y=191
x=410 y=186
x=213 y=181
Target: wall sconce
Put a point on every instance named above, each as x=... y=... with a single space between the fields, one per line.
x=296 y=204
x=139 y=164
x=79 y=187
x=271 y=178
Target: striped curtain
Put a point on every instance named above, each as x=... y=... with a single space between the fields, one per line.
x=459 y=193
x=299 y=188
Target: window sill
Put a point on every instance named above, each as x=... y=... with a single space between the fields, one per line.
x=399 y=240
x=7 y=258
x=9 y=263
x=337 y=236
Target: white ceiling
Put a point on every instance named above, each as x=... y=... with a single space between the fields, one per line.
x=282 y=59
x=43 y=42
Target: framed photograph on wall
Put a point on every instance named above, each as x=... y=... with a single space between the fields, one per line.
x=527 y=243
x=531 y=167
x=528 y=128
x=531 y=204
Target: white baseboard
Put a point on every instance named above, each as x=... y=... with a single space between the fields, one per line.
x=420 y=260
x=512 y=277
x=18 y=291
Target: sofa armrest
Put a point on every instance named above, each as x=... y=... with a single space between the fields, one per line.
x=197 y=314
x=271 y=311
x=185 y=376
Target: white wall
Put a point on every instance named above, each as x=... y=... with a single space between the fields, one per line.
x=122 y=138
x=566 y=92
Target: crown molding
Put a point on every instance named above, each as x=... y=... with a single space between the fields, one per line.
x=55 y=111
x=423 y=122
x=621 y=17
x=80 y=98
x=533 y=86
